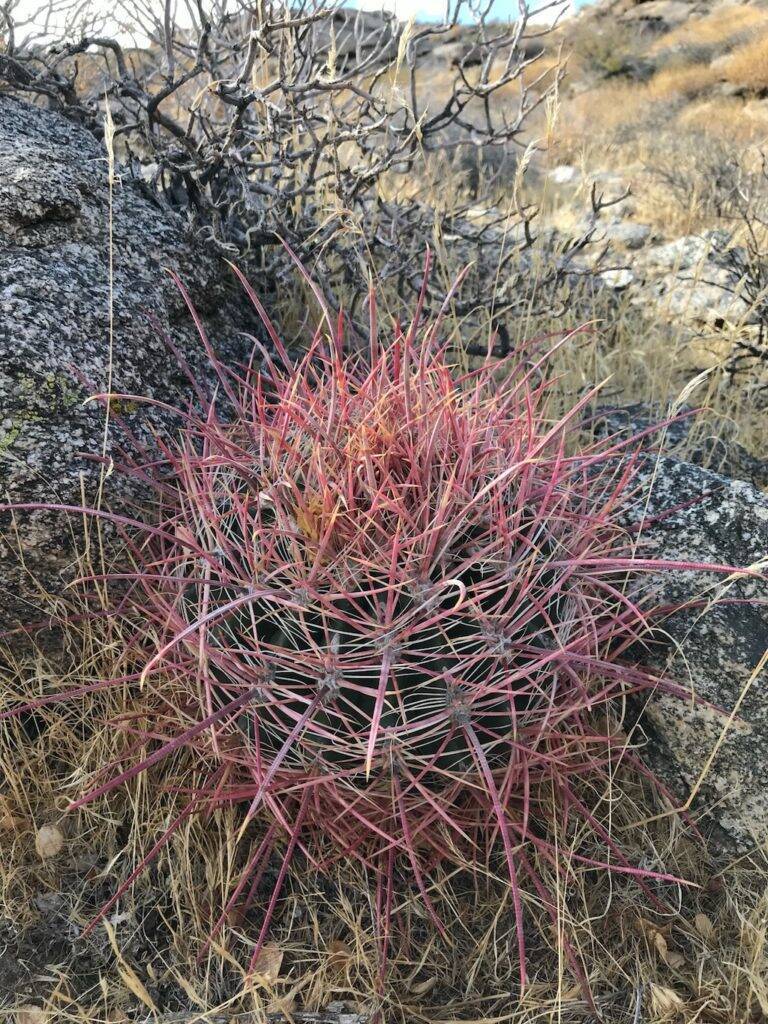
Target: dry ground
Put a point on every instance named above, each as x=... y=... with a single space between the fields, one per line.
x=705 y=962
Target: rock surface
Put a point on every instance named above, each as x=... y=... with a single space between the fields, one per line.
x=625 y=234
x=698 y=278
x=665 y=13
x=658 y=14
x=683 y=438
x=54 y=328
x=722 y=642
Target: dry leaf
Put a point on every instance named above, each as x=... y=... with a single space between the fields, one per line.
x=704 y=927
x=339 y=953
x=669 y=956
x=9 y=822
x=421 y=988
x=30 y=1015
x=266 y=970
x=48 y=842
x=665 y=1002
x=657 y=939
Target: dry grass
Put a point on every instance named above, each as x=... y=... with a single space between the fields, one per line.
x=724 y=23
x=722 y=117
x=730 y=45
x=681 y=82
x=677 y=118
x=747 y=66
x=649 y=358
x=590 y=118
x=599 y=48
x=706 y=964
x=705 y=961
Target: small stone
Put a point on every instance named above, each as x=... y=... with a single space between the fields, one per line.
x=564 y=175
x=667 y=13
x=627 y=234
x=30 y=1015
x=688 y=251
x=617 y=279
x=48 y=842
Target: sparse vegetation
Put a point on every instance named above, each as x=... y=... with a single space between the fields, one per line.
x=747 y=66
x=611 y=50
x=687 y=81
x=361 y=144
x=256 y=126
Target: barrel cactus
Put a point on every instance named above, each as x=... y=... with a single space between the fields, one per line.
x=388 y=605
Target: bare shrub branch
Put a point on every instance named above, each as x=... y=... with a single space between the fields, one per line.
x=259 y=121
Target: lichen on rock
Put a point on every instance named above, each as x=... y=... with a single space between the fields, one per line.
x=54 y=331
x=715 y=646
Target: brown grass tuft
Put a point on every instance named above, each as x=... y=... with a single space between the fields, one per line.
x=685 y=82
x=747 y=66
x=706 y=961
x=724 y=23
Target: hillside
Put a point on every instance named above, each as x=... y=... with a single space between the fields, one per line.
x=668 y=101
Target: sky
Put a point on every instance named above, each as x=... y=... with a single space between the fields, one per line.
x=423 y=10
x=434 y=10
